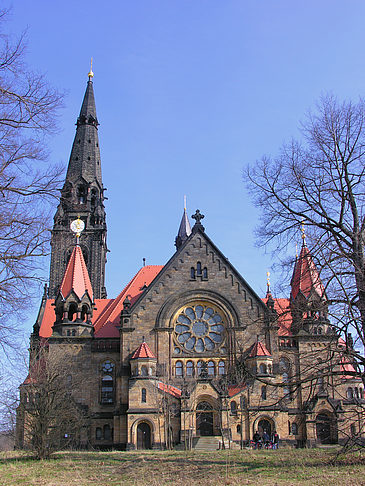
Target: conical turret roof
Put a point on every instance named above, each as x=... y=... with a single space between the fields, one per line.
x=76 y=277
x=184 y=230
x=306 y=279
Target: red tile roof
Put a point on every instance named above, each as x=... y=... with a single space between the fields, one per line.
x=106 y=324
x=259 y=349
x=172 y=390
x=305 y=277
x=347 y=367
x=106 y=315
x=285 y=320
x=234 y=389
x=76 y=276
x=143 y=351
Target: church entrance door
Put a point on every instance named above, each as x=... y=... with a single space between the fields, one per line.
x=143 y=436
x=326 y=429
x=204 y=419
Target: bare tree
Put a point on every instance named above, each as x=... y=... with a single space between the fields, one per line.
x=320 y=180
x=28 y=109
x=49 y=415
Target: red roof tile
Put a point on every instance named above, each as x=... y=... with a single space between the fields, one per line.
x=305 y=277
x=234 y=389
x=76 y=276
x=106 y=324
x=106 y=315
x=346 y=368
x=172 y=390
x=143 y=351
x=259 y=349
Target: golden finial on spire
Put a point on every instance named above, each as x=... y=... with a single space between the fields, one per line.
x=91 y=74
x=303 y=231
x=296 y=250
x=184 y=203
x=268 y=280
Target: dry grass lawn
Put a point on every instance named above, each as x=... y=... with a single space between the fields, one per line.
x=283 y=467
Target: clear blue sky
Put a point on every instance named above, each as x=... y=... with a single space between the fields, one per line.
x=189 y=92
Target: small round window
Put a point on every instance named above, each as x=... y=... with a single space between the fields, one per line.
x=199 y=328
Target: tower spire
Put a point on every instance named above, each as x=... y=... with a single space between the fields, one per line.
x=82 y=197
x=184 y=228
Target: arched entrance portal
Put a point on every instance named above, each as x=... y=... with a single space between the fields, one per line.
x=143 y=436
x=265 y=425
x=326 y=428
x=204 y=418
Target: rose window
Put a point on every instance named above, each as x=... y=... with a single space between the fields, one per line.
x=199 y=328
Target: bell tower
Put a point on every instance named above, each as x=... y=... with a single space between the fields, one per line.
x=82 y=196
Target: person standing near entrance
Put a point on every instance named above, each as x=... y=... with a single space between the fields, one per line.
x=275 y=440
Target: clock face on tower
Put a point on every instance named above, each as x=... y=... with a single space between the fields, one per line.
x=77 y=226
x=199 y=328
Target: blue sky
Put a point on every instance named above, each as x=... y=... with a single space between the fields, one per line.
x=188 y=93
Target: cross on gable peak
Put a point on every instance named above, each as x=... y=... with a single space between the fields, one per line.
x=198 y=216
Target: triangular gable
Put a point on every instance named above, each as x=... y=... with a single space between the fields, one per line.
x=225 y=263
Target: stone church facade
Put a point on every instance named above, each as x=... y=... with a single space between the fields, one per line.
x=187 y=349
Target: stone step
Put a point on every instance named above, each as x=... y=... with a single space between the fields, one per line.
x=206 y=444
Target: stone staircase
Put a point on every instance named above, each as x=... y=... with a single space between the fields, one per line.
x=207 y=443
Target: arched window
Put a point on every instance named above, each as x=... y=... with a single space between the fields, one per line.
x=233 y=408
x=198 y=268
x=189 y=368
x=221 y=368
x=107 y=432
x=107 y=382
x=263 y=369
x=356 y=393
x=350 y=393
x=199 y=367
x=294 y=428
x=72 y=312
x=144 y=371
x=263 y=392
x=238 y=428
x=192 y=273
x=98 y=433
x=84 y=312
x=319 y=330
x=205 y=273
x=284 y=365
x=314 y=330
x=211 y=368
x=143 y=395
x=178 y=368
x=81 y=194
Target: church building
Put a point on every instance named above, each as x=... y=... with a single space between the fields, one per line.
x=187 y=350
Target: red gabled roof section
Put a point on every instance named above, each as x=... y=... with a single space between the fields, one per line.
x=172 y=390
x=305 y=277
x=76 y=276
x=234 y=389
x=285 y=320
x=106 y=315
x=143 y=351
x=259 y=349
x=105 y=325
x=346 y=368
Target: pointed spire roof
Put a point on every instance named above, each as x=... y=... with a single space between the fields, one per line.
x=85 y=154
x=143 y=351
x=76 y=277
x=184 y=230
x=259 y=349
x=306 y=279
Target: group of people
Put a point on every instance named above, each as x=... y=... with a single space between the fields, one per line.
x=259 y=441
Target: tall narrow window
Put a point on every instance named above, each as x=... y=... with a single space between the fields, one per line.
x=98 y=433
x=233 y=407
x=143 y=395
x=211 y=368
x=189 y=368
x=144 y=371
x=199 y=367
x=263 y=393
x=221 y=368
x=107 y=383
x=107 y=432
x=179 y=368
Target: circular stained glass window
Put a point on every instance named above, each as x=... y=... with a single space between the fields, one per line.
x=199 y=328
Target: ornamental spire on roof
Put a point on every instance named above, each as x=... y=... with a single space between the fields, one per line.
x=184 y=229
x=306 y=280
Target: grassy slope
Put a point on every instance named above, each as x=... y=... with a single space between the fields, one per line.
x=283 y=467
